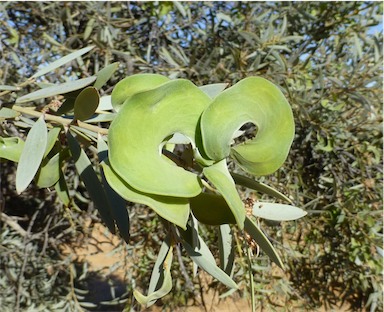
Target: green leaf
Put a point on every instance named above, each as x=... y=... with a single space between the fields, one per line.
x=203 y=257
x=220 y=177
x=51 y=139
x=88 y=28
x=11 y=148
x=91 y=181
x=212 y=90
x=62 y=61
x=226 y=250
x=105 y=103
x=139 y=130
x=9 y=88
x=253 y=230
x=134 y=84
x=211 y=209
x=157 y=276
x=8 y=113
x=61 y=189
x=49 y=172
x=105 y=74
x=277 y=212
x=86 y=103
x=56 y=90
x=255 y=100
x=165 y=288
x=32 y=155
x=173 y=209
x=117 y=204
x=258 y=186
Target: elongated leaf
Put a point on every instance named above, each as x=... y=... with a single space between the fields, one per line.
x=203 y=257
x=86 y=103
x=8 y=113
x=212 y=90
x=258 y=186
x=62 y=61
x=49 y=173
x=32 y=155
x=61 y=189
x=173 y=209
x=165 y=288
x=91 y=181
x=219 y=176
x=253 y=230
x=226 y=250
x=51 y=139
x=11 y=148
x=105 y=103
x=277 y=212
x=105 y=74
x=117 y=204
x=57 y=89
x=157 y=276
x=8 y=88
x=255 y=100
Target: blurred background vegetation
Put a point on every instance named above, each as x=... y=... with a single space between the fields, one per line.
x=327 y=58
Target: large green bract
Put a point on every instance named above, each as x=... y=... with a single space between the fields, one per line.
x=151 y=108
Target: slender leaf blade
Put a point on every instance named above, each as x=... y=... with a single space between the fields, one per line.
x=32 y=155
x=52 y=66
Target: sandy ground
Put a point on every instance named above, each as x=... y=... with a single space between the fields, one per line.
x=99 y=256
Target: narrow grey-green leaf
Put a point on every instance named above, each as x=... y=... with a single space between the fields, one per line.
x=8 y=113
x=62 y=61
x=226 y=250
x=8 y=88
x=49 y=173
x=61 y=189
x=255 y=232
x=165 y=288
x=51 y=139
x=204 y=259
x=32 y=155
x=277 y=212
x=105 y=74
x=213 y=89
x=57 y=89
x=91 y=181
x=86 y=103
x=258 y=186
x=157 y=276
x=11 y=148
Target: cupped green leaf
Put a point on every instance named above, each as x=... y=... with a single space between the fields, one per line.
x=105 y=74
x=62 y=61
x=255 y=232
x=56 y=89
x=211 y=209
x=91 y=181
x=255 y=100
x=49 y=173
x=11 y=148
x=173 y=209
x=277 y=212
x=131 y=85
x=220 y=177
x=137 y=133
x=86 y=103
x=165 y=288
x=32 y=155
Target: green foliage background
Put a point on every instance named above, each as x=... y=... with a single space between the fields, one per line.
x=326 y=57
